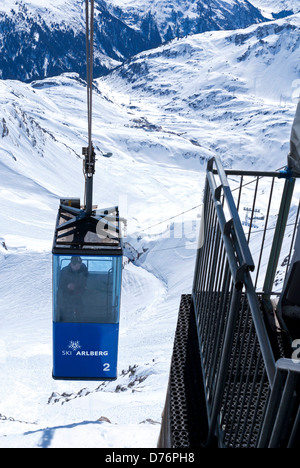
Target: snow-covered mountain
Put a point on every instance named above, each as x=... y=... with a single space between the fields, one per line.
x=161 y=114
x=183 y=17
x=40 y=39
x=229 y=92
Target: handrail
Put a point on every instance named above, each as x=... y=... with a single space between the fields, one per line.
x=222 y=305
x=246 y=259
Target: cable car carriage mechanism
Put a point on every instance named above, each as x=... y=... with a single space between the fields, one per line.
x=87 y=269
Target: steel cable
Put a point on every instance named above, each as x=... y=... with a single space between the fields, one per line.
x=89 y=11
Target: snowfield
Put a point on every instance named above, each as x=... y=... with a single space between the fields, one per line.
x=162 y=115
x=41 y=162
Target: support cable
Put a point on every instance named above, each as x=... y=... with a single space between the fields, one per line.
x=89 y=162
x=89 y=66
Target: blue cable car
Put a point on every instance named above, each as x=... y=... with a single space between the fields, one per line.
x=87 y=271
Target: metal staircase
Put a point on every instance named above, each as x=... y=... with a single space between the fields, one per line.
x=232 y=382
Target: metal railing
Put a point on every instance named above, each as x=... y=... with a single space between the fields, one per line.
x=263 y=201
x=243 y=383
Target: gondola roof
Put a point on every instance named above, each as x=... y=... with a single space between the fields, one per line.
x=96 y=234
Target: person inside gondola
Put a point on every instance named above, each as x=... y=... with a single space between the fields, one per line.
x=71 y=290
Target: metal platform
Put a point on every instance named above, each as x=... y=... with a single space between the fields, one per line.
x=184 y=422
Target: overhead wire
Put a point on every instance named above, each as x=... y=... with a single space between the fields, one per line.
x=172 y=217
x=89 y=161
x=89 y=71
x=200 y=205
x=89 y=66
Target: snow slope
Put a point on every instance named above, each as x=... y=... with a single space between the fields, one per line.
x=277 y=7
x=162 y=115
x=43 y=132
x=229 y=92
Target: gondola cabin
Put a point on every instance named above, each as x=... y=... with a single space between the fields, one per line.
x=87 y=270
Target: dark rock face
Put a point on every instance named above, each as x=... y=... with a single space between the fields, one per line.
x=33 y=49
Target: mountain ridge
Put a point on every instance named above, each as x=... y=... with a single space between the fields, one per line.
x=38 y=40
